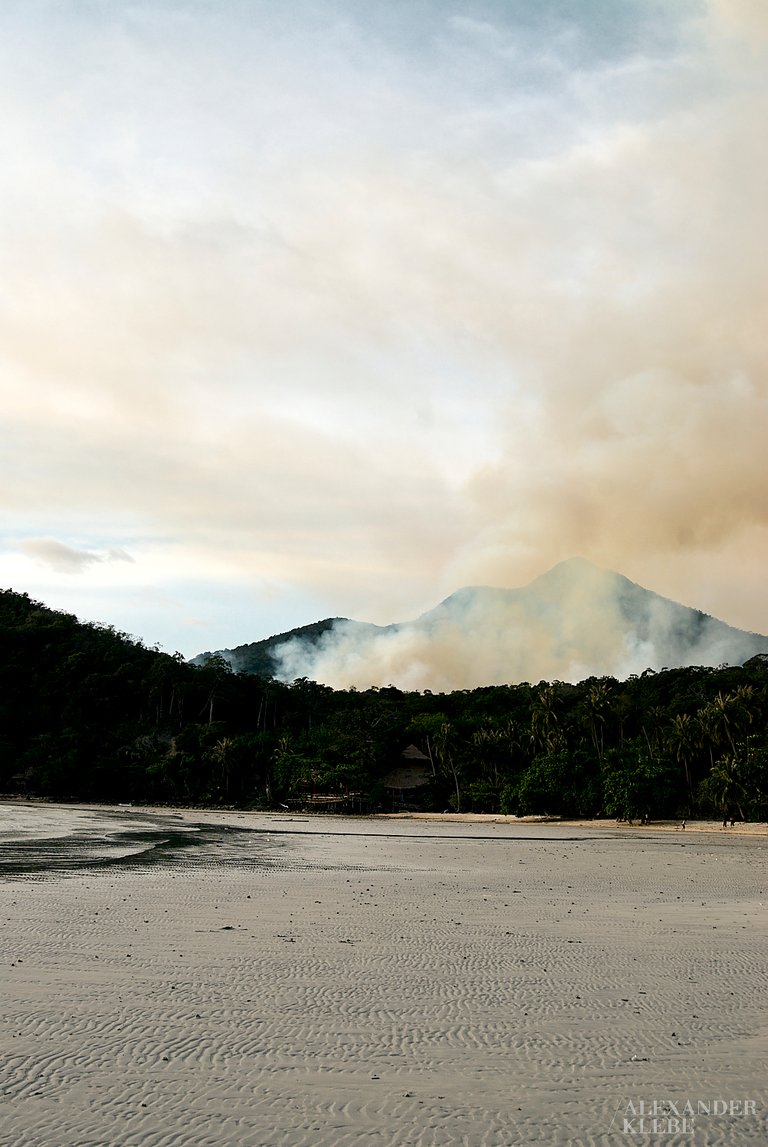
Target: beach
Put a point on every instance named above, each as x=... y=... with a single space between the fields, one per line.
x=184 y=978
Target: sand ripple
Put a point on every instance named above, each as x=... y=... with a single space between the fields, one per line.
x=331 y=992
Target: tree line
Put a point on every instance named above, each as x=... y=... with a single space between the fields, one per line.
x=88 y=713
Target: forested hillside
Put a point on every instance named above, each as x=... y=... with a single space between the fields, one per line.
x=88 y=713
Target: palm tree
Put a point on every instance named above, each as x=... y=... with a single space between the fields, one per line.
x=722 y=714
x=486 y=742
x=726 y=786
x=222 y=754
x=656 y=717
x=546 y=734
x=682 y=741
x=444 y=744
x=596 y=703
x=742 y=703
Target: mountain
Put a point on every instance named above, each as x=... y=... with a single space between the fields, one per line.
x=573 y=622
x=262 y=657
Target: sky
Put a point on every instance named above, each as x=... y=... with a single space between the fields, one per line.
x=330 y=307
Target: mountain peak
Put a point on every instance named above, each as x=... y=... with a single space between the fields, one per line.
x=577 y=570
x=574 y=621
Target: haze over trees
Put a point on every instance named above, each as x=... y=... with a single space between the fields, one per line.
x=88 y=713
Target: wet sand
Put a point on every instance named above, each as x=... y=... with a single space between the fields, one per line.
x=257 y=981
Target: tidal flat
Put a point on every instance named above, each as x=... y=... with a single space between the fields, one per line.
x=182 y=978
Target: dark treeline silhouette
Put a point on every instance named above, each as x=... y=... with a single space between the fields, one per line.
x=88 y=713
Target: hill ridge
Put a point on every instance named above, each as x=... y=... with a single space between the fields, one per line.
x=572 y=621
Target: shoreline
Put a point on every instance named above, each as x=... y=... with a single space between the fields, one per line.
x=746 y=828
x=205 y=812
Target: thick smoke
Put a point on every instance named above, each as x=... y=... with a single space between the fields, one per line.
x=364 y=302
x=576 y=621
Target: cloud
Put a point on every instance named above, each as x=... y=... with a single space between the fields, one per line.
x=746 y=20
x=372 y=302
x=118 y=554
x=66 y=559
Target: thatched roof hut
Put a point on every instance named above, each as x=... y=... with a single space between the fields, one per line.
x=415 y=771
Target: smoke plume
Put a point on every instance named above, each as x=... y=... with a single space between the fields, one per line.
x=577 y=621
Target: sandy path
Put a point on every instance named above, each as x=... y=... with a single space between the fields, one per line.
x=308 y=988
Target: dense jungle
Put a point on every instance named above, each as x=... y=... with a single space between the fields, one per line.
x=89 y=713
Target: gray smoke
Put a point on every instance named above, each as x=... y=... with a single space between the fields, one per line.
x=574 y=622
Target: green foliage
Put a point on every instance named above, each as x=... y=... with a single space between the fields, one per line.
x=88 y=713
x=541 y=785
x=636 y=784
x=562 y=783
